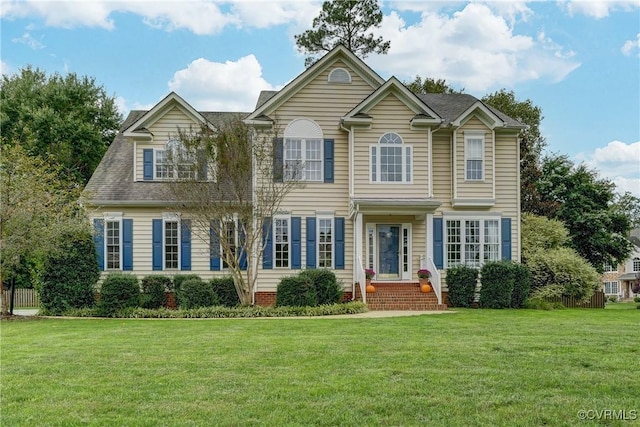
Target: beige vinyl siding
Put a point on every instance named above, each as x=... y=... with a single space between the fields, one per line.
x=391 y=115
x=474 y=189
x=442 y=168
x=163 y=129
x=507 y=185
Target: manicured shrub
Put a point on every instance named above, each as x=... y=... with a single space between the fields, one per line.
x=69 y=274
x=194 y=293
x=521 y=285
x=296 y=291
x=328 y=289
x=118 y=291
x=154 y=290
x=636 y=299
x=225 y=290
x=178 y=279
x=497 y=284
x=461 y=282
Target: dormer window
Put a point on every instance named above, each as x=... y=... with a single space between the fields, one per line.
x=391 y=159
x=339 y=75
x=174 y=161
x=474 y=156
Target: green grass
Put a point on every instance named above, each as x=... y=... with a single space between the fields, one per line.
x=473 y=367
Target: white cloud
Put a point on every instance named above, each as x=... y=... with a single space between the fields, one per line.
x=631 y=45
x=598 y=9
x=619 y=162
x=475 y=48
x=5 y=68
x=62 y=14
x=28 y=40
x=216 y=86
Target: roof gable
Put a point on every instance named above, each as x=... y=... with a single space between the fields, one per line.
x=482 y=112
x=340 y=52
x=423 y=114
x=140 y=128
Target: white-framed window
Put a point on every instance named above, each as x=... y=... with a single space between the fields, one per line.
x=174 y=161
x=281 y=241
x=113 y=241
x=611 y=288
x=230 y=228
x=391 y=160
x=325 y=242
x=636 y=264
x=608 y=268
x=303 y=159
x=471 y=241
x=171 y=243
x=474 y=156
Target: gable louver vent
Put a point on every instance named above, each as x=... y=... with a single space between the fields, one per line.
x=339 y=75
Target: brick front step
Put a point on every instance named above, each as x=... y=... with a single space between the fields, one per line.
x=400 y=296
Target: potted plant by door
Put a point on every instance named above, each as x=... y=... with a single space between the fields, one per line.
x=425 y=283
x=369 y=274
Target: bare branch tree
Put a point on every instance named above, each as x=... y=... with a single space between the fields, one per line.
x=231 y=190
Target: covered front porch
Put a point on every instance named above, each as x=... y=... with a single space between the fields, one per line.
x=393 y=238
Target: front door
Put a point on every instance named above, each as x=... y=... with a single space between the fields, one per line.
x=388 y=251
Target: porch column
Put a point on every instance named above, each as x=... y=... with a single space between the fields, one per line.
x=357 y=246
x=428 y=238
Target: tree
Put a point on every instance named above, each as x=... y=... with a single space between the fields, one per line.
x=69 y=119
x=598 y=227
x=35 y=205
x=240 y=201
x=344 y=22
x=531 y=145
x=430 y=85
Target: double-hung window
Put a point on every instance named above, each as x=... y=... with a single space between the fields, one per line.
x=391 y=159
x=231 y=236
x=171 y=239
x=611 y=288
x=174 y=161
x=474 y=156
x=281 y=242
x=472 y=242
x=325 y=242
x=303 y=159
x=113 y=242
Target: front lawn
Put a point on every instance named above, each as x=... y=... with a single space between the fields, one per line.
x=473 y=367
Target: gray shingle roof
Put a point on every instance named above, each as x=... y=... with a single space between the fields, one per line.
x=112 y=181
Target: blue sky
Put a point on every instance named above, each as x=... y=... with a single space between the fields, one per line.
x=578 y=60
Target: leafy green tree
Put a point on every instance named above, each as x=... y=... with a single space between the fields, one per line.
x=344 y=22
x=35 y=205
x=430 y=85
x=532 y=144
x=69 y=119
x=598 y=227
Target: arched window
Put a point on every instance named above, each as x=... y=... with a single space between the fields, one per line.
x=391 y=159
x=302 y=153
x=339 y=75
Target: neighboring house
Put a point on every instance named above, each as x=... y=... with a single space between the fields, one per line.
x=393 y=181
x=619 y=280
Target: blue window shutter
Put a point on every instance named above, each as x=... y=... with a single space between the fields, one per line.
x=506 y=239
x=98 y=240
x=339 y=249
x=296 y=242
x=214 y=248
x=127 y=244
x=267 y=242
x=185 y=244
x=147 y=164
x=157 y=244
x=328 y=160
x=278 y=160
x=438 y=243
x=311 y=242
x=242 y=248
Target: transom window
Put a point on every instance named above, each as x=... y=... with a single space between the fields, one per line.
x=391 y=159
x=472 y=242
x=303 y=159
x=474 y=156
x=171 y=244
x=174 y=161
x=281 y=242
x=113 y=244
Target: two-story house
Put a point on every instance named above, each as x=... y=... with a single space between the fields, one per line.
x=393 y=182
x=618 y=281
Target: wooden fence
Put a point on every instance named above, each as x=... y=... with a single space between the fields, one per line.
x=596 y=301
x=22 y=298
